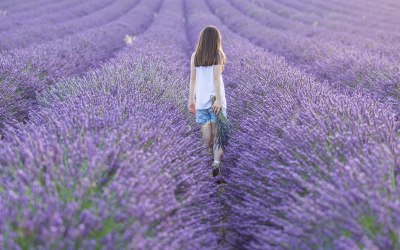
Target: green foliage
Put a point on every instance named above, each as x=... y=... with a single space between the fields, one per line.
x=346 y=233
x=25 y=241
x=394 y=237
x=148 y=144
x=109 y=225
x=64 y=193
x=152 y=230
x=369 y=223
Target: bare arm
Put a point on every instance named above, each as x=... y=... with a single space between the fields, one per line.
x=217 y=87
x=191 y=104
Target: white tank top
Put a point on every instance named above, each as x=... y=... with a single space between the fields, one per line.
x=205 y=87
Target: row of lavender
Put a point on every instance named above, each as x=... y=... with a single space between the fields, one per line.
x=353 y=14
x=26 y=71
x=348 y=21
x=58 y=12
x=11 y=7
x=108 y=160
x=308 y=168
x=100 y=13
x=369 y=27
x=378 y=12
x=316 y=27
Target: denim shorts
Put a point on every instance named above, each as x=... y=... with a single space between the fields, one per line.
x=205 y=115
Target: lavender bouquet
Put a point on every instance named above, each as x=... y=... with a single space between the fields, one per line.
x=224 y=128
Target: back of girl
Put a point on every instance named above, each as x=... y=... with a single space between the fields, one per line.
x=207 y=64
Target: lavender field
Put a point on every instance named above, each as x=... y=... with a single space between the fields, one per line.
x=99 y=151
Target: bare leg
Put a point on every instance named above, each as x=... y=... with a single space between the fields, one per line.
x=217 y=150
x=206 y=131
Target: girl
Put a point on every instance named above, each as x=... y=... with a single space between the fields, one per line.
x=206 y=66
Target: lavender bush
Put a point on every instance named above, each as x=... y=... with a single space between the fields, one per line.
x=98 y=150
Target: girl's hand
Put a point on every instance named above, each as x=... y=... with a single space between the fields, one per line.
x=192 y=107
x=217 y=106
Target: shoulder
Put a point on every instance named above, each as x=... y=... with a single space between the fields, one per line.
x=221 y=61
x=192 y=58
x=221 y=57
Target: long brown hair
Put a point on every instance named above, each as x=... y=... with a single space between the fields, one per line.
x=209 y=48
